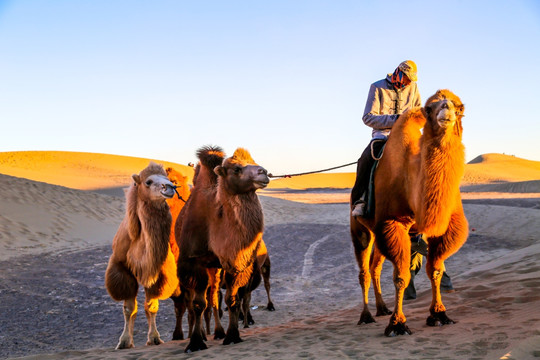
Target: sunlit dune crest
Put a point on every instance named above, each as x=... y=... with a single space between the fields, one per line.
x=498 y=168
x=78 y=170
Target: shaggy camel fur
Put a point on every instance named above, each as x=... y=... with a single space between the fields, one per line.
x=416 y=184
x=176 y=203
x=221 y=226
x=141 y=252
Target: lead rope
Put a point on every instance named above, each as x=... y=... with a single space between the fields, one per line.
x=310 y=172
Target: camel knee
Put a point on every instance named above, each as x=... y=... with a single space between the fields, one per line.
x=199 y=305
x=130 y=307
x=151 y=306
x=402 y=281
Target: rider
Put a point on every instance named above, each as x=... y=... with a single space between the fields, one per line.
x=387 y=99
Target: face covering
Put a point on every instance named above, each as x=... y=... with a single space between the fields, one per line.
x=399 y=79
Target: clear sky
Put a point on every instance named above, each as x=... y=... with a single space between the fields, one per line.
x=286 y=79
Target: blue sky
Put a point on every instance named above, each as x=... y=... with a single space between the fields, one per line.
x=285 y=79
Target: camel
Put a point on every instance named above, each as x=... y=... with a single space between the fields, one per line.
x=142 y=253
x=221 y=226
x=416 y=184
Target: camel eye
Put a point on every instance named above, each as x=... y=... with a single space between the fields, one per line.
x=148 y=182
x=237 y=170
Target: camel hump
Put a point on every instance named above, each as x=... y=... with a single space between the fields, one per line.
x=211 y=156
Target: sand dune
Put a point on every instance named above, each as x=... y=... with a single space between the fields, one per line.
x=83 y=171
x=55 y=242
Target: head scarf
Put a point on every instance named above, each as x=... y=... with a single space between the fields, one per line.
x=398 y=79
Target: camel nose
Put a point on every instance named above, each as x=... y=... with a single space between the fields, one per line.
x=262 y=171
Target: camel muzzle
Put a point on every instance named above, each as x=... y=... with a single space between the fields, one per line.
x=168 y=190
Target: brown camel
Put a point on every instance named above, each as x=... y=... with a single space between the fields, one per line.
x=416 y=184
x=221 y=226
x=142 y=253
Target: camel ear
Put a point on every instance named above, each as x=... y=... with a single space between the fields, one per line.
x=136 y=178
x=220 y=171
x=429 y=108
x=461 y=109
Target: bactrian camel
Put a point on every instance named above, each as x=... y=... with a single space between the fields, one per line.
x=416 y=183
x=221 y=226
x=142 y=253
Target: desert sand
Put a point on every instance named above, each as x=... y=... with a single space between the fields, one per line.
x=55 y=239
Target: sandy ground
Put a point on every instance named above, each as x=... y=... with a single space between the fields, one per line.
x=55 y=243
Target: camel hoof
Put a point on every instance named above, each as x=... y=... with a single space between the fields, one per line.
x=154 y=341
x=232 y=337
x=178 y=335
x=397 y=329
x=382 y=311
x=439 y=319
x=270 y=307
x=195 y=345
x=366 y=318
x=124 y=345
x=219 y=334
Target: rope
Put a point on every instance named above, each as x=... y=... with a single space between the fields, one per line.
x=310 y=172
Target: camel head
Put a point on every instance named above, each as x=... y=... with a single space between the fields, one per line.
x=444 y=111
x=176 y=178
x=152 y=183
x=240 y=174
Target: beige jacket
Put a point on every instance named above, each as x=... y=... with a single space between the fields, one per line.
x=384 y=105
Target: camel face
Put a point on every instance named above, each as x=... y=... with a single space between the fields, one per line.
x=445 y=111
x=243 y=178
x=241 y=174
x=155 y=186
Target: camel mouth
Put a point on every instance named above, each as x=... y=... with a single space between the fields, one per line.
x=261 y=184
x=445 y=122
x=167 y=191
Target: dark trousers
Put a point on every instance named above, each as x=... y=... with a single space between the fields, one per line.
x=363 y=169
x=416 y=265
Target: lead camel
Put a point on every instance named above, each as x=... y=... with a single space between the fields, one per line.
x=416 y=184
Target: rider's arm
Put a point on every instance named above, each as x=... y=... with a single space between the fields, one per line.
x=372 y=116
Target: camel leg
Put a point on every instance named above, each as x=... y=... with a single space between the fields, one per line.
x=265 y=270
x=130 y=313
x=179 y=309
x=377 y=260
x=197 y=307
x=151 y=307
x=440 y=248
x=363 y=254
x=233 y=303
x=208 y=311
x=215 y=282
x=246 y=301
x=393 y=236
